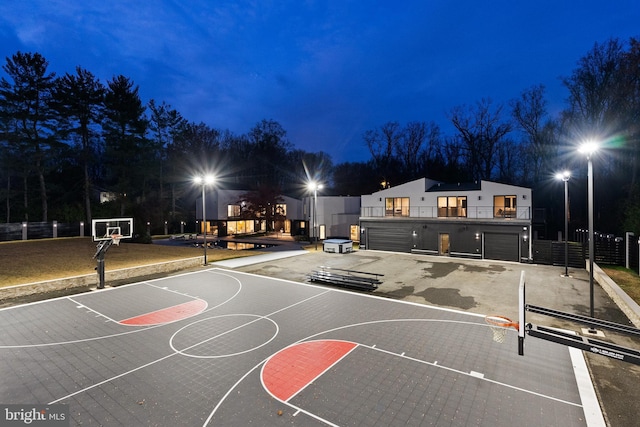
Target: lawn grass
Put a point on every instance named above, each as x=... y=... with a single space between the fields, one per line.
x=37 y=260
x=628 y=280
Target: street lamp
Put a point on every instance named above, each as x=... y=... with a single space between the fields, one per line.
x=314 y=186
x=565 y=177
x=589 y=148
x=203 y=181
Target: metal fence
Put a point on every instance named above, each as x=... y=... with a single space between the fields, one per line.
x=40 y=230
x=472 y=212
x=608 y=250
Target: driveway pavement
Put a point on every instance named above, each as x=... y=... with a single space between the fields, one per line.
x=485 y=287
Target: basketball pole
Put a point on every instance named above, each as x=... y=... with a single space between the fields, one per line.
x=522 y=320
x=204 y=225
x=204 y=180
x=591 y=236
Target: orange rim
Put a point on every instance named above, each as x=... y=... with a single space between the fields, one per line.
x=502 y=321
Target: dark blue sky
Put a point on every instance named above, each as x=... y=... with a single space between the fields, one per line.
x=325 y=70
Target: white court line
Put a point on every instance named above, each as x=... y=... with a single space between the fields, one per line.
x=362 y=295
x=161 y=359
x=373 y=347
x=118 y=334
x=482 y=378
x=164 y=288
x=332 y=290
x=592 y=412
x=586 y=388
x=221 y=334
x=91 y=310
x=320 y=374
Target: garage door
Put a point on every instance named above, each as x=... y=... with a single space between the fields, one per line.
x=502 y=246
x=388 y=240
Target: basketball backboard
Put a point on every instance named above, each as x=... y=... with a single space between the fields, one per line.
x=103 y=229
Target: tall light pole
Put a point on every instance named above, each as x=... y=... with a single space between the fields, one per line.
x=565 y=177
x=203 y=181
x=589 y=148
x=314 y=186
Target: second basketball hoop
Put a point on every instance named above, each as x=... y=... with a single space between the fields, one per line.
x=499 y=326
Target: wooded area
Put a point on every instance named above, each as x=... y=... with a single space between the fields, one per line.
x=64 y=139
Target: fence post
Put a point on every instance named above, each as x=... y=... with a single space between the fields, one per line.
x=24 y=230
x=627 y=241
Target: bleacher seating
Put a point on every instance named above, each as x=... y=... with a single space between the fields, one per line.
x=346 y=278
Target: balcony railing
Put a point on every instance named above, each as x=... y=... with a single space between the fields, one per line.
x=474 y=212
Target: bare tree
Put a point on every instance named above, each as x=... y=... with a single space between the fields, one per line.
x=481 y=130
x=592 y=89
x=529 y=111
x=409 y=144
x=382 y=145
x=382 y=142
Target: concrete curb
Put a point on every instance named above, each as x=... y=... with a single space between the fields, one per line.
x=56 y=285
x=629 y=307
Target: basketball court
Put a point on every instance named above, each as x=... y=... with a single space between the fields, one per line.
x=225 y=348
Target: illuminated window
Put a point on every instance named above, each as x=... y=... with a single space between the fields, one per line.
x=233 y=211
x=504 y=206
x=397 y=206
x=452 y=206
x=240 y=227
x=281 y=209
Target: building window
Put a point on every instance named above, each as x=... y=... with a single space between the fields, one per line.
x=233 y=211
x=240 y=227
x=281 y=209
x=397 y=206
x=504 y=206
x=452 y=207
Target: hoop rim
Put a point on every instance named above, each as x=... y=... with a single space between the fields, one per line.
x=501 y=321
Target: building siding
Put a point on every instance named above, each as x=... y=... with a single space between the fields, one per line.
x=465 y=237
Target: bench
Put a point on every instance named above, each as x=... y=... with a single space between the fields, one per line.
x=346 y=278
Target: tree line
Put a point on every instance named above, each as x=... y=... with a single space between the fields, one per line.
x=64 y=140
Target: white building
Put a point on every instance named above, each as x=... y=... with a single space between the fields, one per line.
x=337 y=217
x=477 y=220
x=226 y=215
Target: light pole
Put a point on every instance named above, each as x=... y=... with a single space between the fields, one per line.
x=589 y=148
x=203 y=181
x=565 y=177
x=315 y=187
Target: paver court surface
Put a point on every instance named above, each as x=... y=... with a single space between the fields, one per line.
x=227 y=348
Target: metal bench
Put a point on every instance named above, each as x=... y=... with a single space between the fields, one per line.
x=346 y=278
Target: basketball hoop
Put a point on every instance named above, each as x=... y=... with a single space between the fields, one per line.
x=115 y=239
x=499 y=326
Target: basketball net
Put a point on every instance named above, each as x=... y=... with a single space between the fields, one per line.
x=115 y=239
x=499 y=326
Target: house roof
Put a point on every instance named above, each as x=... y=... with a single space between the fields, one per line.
x=460 y=186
